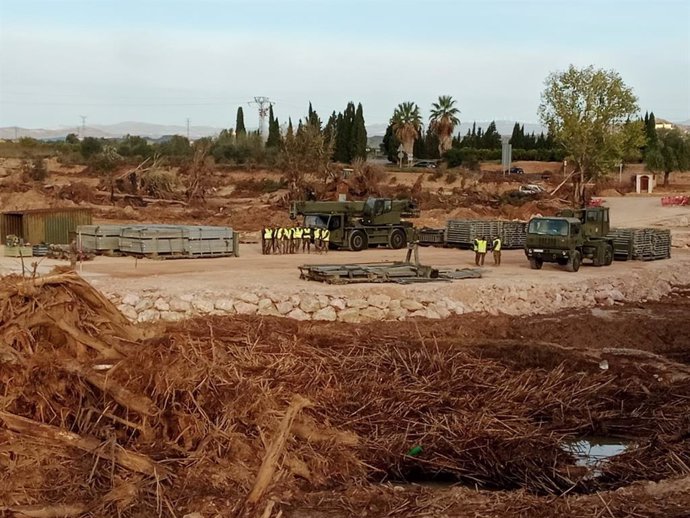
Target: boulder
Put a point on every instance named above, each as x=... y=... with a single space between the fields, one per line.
x=349 y=315
x=298 y=314
x=372 y=313
x=202 y=305
x=411 y=305
x=310 y=304
x=328 y=314
x=617 y=296
x=143 y=305
x=338 y=304
x=161 y=304
x=284 y=307
x=128 y=311
x=148 y=315
x=357 y=303
x=171 y=316
x=131 y=299
x=224 y=305
x=177 y=304
x=379 y=301
x=245 y=308
x=248 y=297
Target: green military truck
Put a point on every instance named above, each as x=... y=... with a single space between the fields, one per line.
x=570 y=237
x=356 y=225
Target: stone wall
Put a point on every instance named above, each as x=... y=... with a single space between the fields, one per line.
x=366 y=305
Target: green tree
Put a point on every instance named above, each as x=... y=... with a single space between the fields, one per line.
x=72 y=138
x=586 y=109
x=176 y=146
x=342 y=151
x=517 y=136
x=273 y=139
x=313 y=118
x=90 y=146
x=671 y=152
x=443 y=120
x=407 y=122
x=650 y=130
x=239 y=123
x=134 y=145
x=390 y=145
x=305 y=152
x=331 y=128
x=491 y=139
x=358 y=143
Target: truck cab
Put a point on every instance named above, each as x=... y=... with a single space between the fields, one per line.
x=569 y=238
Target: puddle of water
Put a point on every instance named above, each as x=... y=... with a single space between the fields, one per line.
x=591 y=451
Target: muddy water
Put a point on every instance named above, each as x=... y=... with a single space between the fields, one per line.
x=590 y=452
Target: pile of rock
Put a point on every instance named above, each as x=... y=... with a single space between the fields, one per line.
x=514 y=298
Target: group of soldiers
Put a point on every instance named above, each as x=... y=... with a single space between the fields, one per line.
x=289 y=240
x=481 y=247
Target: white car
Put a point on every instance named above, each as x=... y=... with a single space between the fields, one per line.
x=531 y=189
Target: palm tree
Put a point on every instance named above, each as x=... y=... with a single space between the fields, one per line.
x=443 y=120
x=406 y=122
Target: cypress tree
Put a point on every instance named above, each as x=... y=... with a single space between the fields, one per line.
x=359 y=135
x=419 y=147
x=515 y=140
x=273 y=139
x=330 y=130
x=313 y=118
x=340 y=151
x=431 y=144
x=491 y=139
x=239 y=123
x=650 y=131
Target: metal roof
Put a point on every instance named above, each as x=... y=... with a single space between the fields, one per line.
x=47 y=210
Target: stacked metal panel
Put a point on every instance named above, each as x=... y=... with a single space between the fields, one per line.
x=462 y=233
x=159 y=240
x=641 y=244
x=100 y=238
x=432 y=236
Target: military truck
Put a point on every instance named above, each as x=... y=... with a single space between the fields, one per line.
x=570 y=237
x=356 y=225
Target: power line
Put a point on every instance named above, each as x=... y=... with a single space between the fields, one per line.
x=83 y=125
x=264 y=104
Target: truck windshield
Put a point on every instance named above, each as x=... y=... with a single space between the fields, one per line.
x=551 y=227
x=315 y=221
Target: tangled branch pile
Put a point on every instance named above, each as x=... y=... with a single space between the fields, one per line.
x=232 y=415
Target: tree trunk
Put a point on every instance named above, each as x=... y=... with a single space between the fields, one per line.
x=408 y=145
x=444 y=144
x=666 y=175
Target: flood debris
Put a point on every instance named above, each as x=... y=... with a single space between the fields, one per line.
x=251 y=416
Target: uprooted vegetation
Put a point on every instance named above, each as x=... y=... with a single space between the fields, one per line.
x=246 y=415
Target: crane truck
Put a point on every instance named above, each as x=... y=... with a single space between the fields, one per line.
x=356 y=225
x=570 y=237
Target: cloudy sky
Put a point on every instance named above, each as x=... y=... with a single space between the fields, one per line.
x=163 y=61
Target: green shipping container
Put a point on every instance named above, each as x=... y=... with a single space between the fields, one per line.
x=50 y=226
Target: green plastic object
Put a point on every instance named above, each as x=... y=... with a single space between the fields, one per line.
x=414 y=451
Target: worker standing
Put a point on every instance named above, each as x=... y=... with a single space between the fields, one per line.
x=496 y=247
x=480 y=254
x=279 y=239
x=325 y=239
x=267 y=240
x=296 y=239
x=317 y=240
x=475 y=249
x=306 y=239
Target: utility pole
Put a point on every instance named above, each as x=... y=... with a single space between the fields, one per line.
x=83 y=126
x=187 y=128
x=264 y=104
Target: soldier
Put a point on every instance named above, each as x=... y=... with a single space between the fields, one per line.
x=317 y=240
x=279 y=240
x=287 y=239
x=496 y=247
x=296 y=238
x=306 y=239
x=267 y=240
x=480 y=255
x=325 y=239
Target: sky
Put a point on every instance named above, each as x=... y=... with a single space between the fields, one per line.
x=163 y=61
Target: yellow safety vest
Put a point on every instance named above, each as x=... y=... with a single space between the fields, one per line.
x=317 y=233
x=475 y=245
x=326 y=235
x=268 y=233
x=306 y=233
x=497 y=245
x=297 y=233
x=279 y=233
x=481 y=246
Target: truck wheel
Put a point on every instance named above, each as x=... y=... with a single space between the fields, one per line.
x=562 y=261
x=574 y=263
x=358 y=241
x=535 y=263
x=608 y=255
x=397 y=239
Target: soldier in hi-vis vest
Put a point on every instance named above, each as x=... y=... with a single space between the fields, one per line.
x=496 y=247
